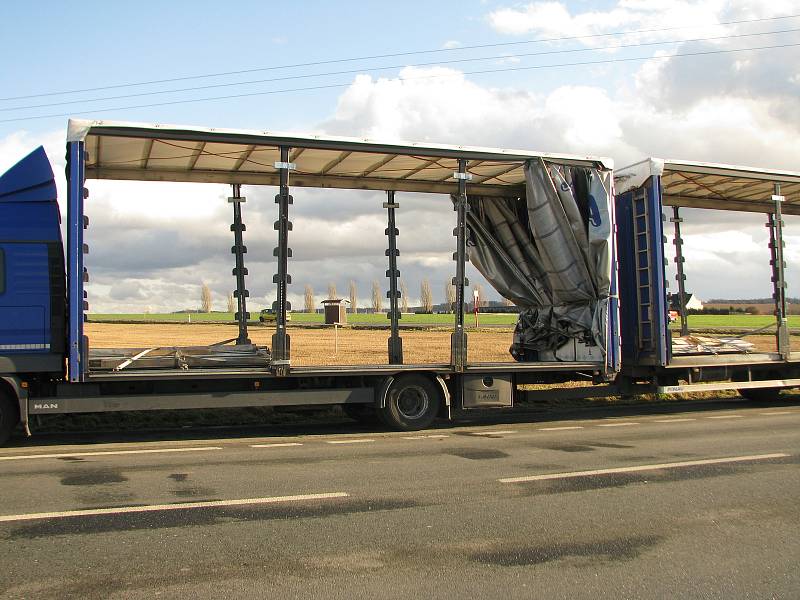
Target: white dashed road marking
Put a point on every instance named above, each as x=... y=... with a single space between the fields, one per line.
x=358 y=441
x=560 y=428
x=162 y=507
x=634 y=469
x=109 y=453
x=280 y=445
x=778 y=412
x=725 y=417
x=425 y=437
x=617 y=424
x=672 y=420
x=491 y=432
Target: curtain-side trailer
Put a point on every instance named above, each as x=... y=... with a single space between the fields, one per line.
x=539 y=227
x=544 y=229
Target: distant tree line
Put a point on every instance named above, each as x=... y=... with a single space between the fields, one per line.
x=750 y=301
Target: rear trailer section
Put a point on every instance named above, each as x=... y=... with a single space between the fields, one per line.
x=650 y=196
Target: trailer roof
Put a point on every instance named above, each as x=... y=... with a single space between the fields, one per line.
x=714 y=186
x=136 y=151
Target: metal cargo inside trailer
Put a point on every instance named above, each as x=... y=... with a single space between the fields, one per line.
x=650 y=197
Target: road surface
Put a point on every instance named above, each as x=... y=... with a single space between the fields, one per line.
x=620 y=505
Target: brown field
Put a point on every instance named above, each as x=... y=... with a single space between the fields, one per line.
x=310 y=346
x=318 y=346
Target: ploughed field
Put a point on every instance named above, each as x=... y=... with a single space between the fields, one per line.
x=310 y=346
x=326 y=346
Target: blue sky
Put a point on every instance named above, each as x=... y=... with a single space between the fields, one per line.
x=725 y=106
x=60 y=46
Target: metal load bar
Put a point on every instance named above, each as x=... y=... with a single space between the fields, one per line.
x=680 y=275
x=395 y=341
x=281 y=354
x=778 y=265
x=239 y=271
x=458 y=339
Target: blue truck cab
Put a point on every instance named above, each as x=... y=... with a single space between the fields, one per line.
x=32 y=271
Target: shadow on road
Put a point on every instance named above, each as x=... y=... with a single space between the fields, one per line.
x=246 y=423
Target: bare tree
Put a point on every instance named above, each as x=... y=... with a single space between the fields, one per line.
x=450 y=295
x=308 y=299
x=332 y=291
x=231 y=303
x=426 y=296
x=403 y=296
x=353 y=297
x=377 y=297
x=205 y=298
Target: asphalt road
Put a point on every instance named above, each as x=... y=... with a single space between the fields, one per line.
x=623 y=505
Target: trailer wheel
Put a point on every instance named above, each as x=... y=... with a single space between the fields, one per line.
x=9 y=416
x=760 y=394
x=412 y=403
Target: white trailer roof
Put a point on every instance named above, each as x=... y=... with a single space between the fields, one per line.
x=136 y=151
x=714 y=186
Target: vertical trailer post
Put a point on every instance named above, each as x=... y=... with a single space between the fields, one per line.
x=395 y=341
x=458 y=339
x=776 y=245
x=76 y=248
x=680 y=276
x=239 y=250
x=280 y=341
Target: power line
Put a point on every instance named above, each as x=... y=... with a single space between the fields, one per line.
x=393 y=55
x=392 y=67
x=344 y=85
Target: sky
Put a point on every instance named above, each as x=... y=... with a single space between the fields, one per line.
x=620 y=78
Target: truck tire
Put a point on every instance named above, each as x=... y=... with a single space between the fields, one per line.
x=412 y=403
x=9 y=416
x=760 y=394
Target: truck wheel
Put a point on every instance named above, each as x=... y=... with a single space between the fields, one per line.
x=9 y=416
x=412 y=403
x=760 y=394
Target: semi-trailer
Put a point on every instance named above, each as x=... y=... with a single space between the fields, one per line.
x=585 y=267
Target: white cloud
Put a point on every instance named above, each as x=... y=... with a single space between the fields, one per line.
x=450 y=44
x=626 y=125
x=152 y=244
x=678 y=19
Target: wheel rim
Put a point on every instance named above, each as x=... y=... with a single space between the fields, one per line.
x=412 y=402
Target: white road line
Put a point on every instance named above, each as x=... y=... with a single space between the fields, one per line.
x=358 y=441
x=726 y=417
x=161 y=507
x=425 y=437
x=109 y=453
x=491 y=432
x=560 y=428
x=654 y=467
x=778 y=412
x=281 y=445
x=625 y=424
x=672 y=420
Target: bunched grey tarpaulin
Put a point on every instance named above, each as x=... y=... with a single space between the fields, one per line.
x=550 y=253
